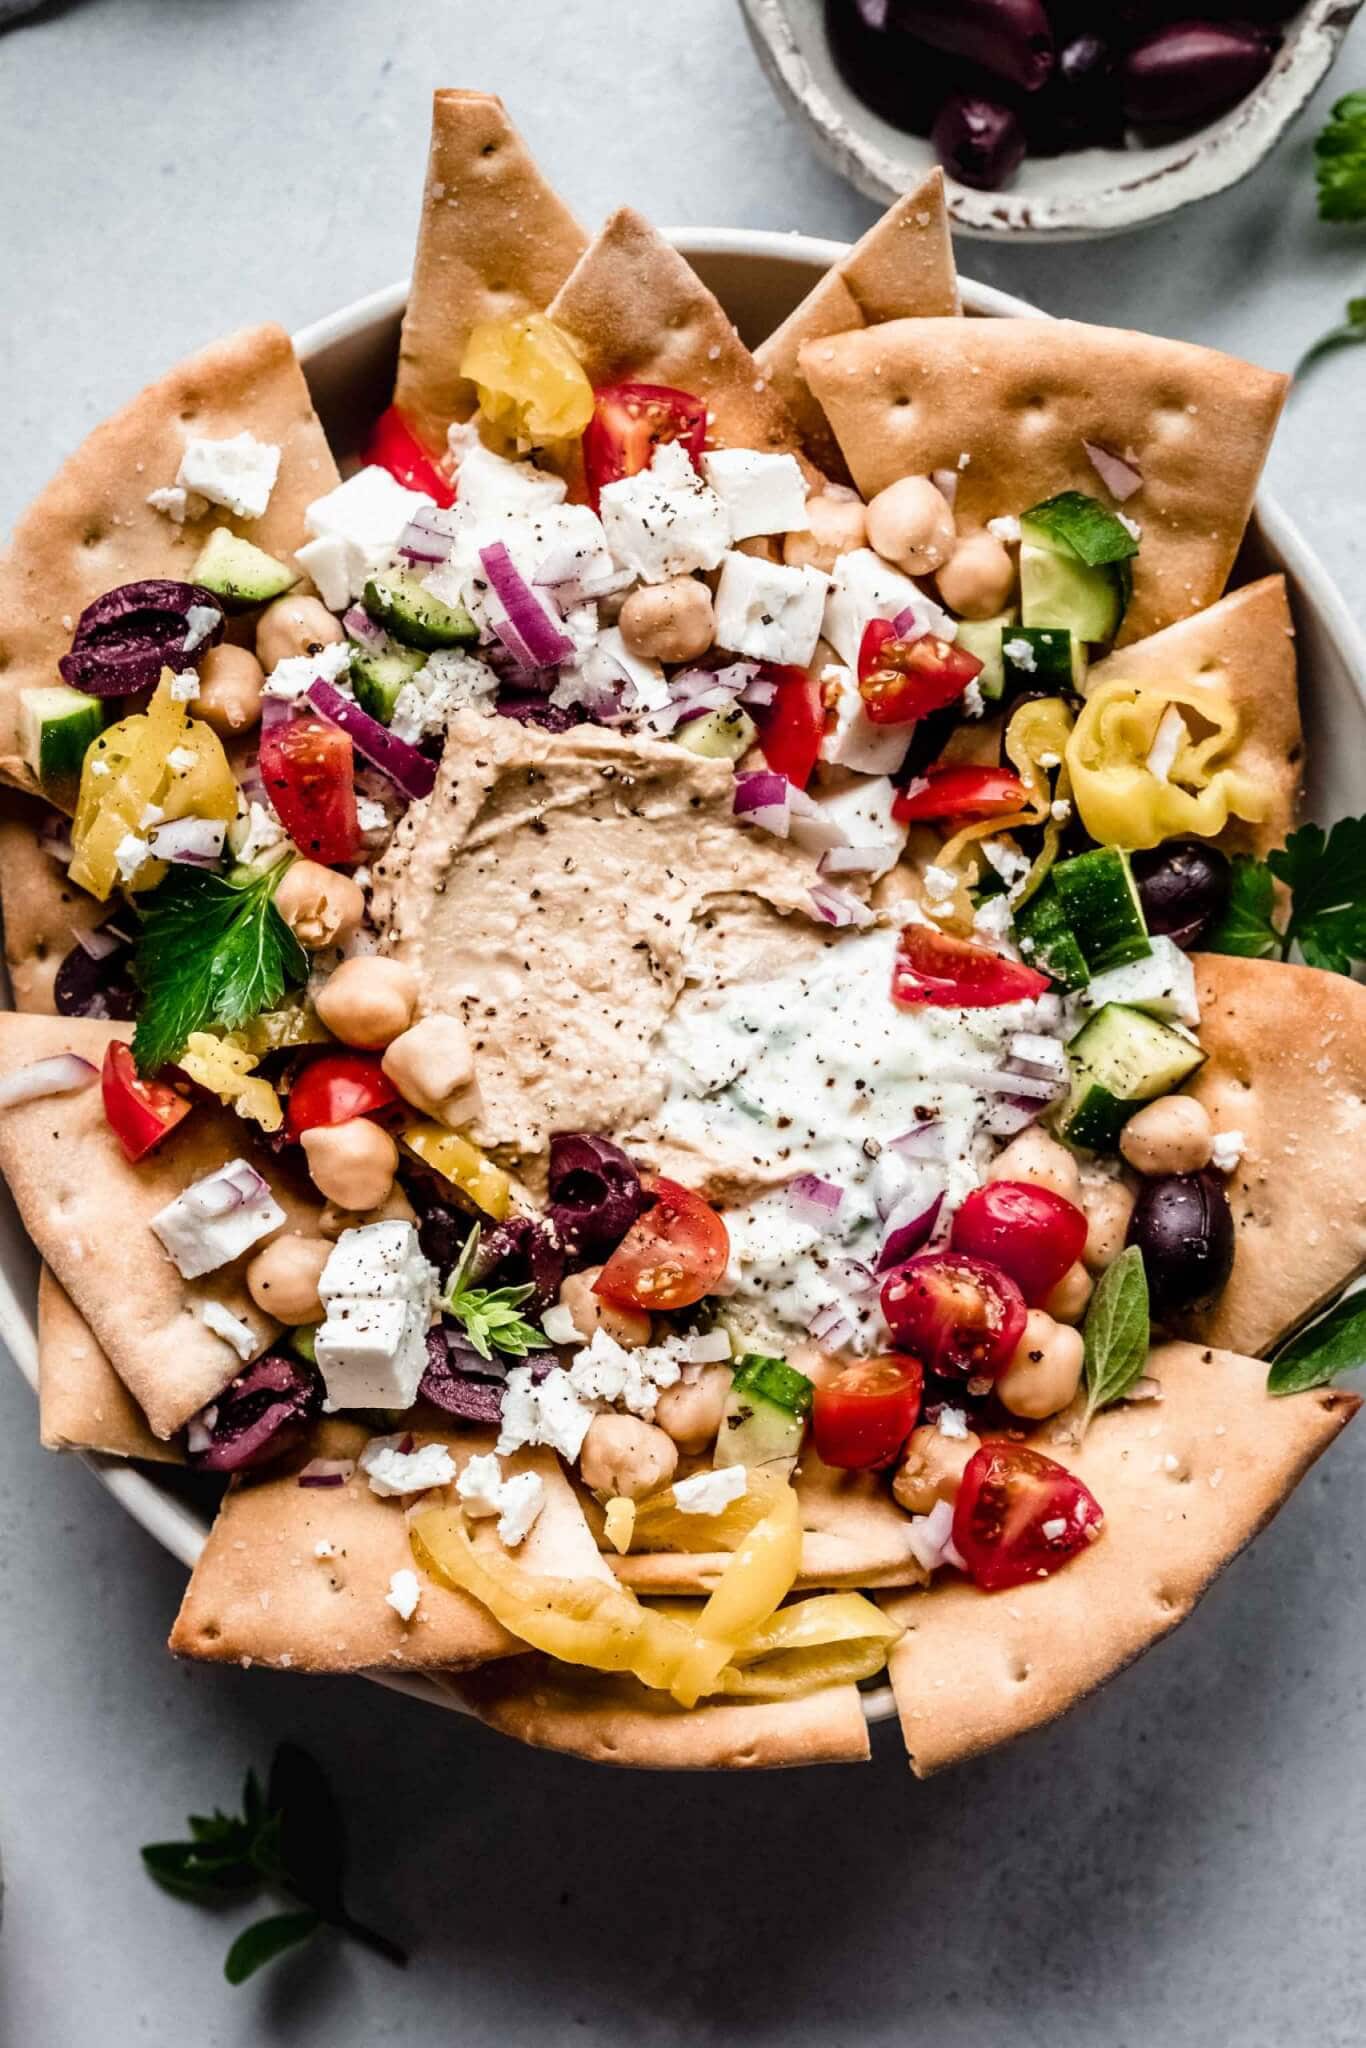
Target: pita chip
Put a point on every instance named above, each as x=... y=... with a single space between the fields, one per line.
x=92 y=528
x=1185 y=1481
x=902 y=268
x=88 y=1212
x=1245 y=646
x=495 y=243
x=1009 y=404
x=83 y=1405
x=1286 y=1066
x=43 y=912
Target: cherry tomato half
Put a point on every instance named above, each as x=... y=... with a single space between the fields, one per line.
x=959 y=792
x=960 y=1315
x=671 y=1256
x=1030 y=1232
x=309 y=768
x=139 y=1113
x=1019 y=1516
x=863 y=1416
x=933 y=967
x=335 y=1087
x=792 y=726
x=394 y=446
x=629 y=422
x=901 y=680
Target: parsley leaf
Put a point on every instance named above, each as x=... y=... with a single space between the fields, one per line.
x=1325 y=873
x=209 y=954
x=264 y=1940
x=1116 y=1332
x=1246 y=925
x=1334 y=1344
x=489 y=1315
x=1340 y=161
x=1353 y=328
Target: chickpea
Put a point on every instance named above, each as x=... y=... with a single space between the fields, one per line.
x=837 y=525
x=1035 y=1157
x=622 y=1455
x=1067 y=1302
x=978 y=579
x=367 y=1002
x=432 y=1066
x=932 y=1467
x=294 y=625
x=629 y=1326
x=691 y=1411
x=671 y=621
x=1108 y=1205
x=321 y=907
x=911 y=524
x=230 y=682
x=1171 y=1136
x=283 y=1279
x=353 y=1164
x=1044 y=1370
x=395 y=1208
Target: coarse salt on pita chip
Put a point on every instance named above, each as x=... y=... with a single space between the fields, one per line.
x=42 y=910
x=1245 y=646
x=1184 y=1481
x=92 y=528
x=495 y=243
x=1285 y=1066
x=88 y=1210
x=1010 y=404
x=83 y=1405
x=902 y=268
x=608 y=1720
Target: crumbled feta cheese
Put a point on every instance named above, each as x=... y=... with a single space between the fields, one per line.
x=479 y=1486
x=665 y=521
x=853 y=741
x=992 y=918
x=212 y=1222
x=761 y=493
x=200 y=621
x=1162 y=983
x=230 y=1328
x=607 y=1371
x=254 y=832
x=291 y=678
x=129 y=855
x=711 y=1493
x=327 y=563
x=403 y=1594
x=864 y=587
x=451 y=680
x=378 y=1291
x=177 y=504
x=769 y=612
x=864 y=814
x=392 y=1471
x=521 y=1500
x=1060 y=810
x=1006 y=529
x=151 y=814
x=367 y=514
x=181 y=760
x=1171 y=735
x=550 y=1413
x=940 y=884
x=1227 y=1150
x=184 y=686
x=1021 y=652
x=371 y=815
x=324 y=1548
x=1054 y=1529
x=974 y=704
x=953 y=1422
x=239 y=473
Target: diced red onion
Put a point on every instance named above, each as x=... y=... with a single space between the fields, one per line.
x=909 y=625
x=275 y=711
x=364 y=630
x=327 y=1472
x=232 y=1187
x=927 y=1140
x=407 y=768
x=854 y=1277
x=759 y=691
x=907 y=1232
x=1034 y=1053
x=838 y=907
x=65 y=1073
x=1001 y=1081
x=945 y=482
x=194 y=842
x=1119 y=477
x=856 y=860
x=526 y=613
x=54 y=836
x=733 y=679
x=931 y=1537
x=763 y=798
x=813 y=1200
x=98 y=944
x=563 y=572
x=423 y=539
x=830 y=1325
x=1008 y=1115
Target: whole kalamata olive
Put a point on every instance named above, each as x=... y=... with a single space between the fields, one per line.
x=1010 y=38
x=1183 y=886
x=86 y=987
x=1192 y=71
x=1183 y=1226
x=902 y=80
x=978 y=142
x=1079 y=107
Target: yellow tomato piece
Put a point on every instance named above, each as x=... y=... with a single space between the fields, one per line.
x=1122 y=801
x=228 y=1072
x=152 y=766
x=618 y=1521
x=532 y=387
x=463 y=1165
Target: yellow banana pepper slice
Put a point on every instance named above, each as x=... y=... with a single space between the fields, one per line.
x=1125 y=802
x=815 y=1624
x=228 y=1072
x=532 y=386
x=463 y=1165
x=757 y=1580
x=618 y=1523
x=1036 y=732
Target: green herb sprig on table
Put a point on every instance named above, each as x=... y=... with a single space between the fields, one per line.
x=1334 y=1344
x=289 y=1838
x=1326 y=876
x=1340 y=161
x=209 y=954
x=489 y=1315
x=1116 y=1332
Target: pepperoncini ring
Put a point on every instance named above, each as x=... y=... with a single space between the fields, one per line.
x=1128 y=795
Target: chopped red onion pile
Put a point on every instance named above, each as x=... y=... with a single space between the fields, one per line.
x=65 y=1073
x=830 y=1325
x=838 y=908
x=408 y=769
x=527 y=630
x=425 y=540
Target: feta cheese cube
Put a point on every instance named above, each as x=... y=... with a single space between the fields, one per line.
x=327 y=562
x=864 y=587
x=490 y=485
x=761 y=493
x=854 y=741
x=404 y=1593
x=710 y=1493
x=378 y=1291
x=1162 y=983
x=239 y=474
x=366 y=514
x=769 y=612
x=230 y=1328
x=379 y=1262
x=291 y=678
x=217 y=1219
x=665 y=521
x=392 y=1471
x=864 y=814
x=200 y=621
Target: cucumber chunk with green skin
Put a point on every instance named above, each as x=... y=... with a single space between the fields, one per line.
x=56 y=726
x=1042 y=658
x=719 y=735
x=378 y=676
x=302 y=1341
x=1120 y=1060
x=240 y=574
x=1059 y=591
x=983 y=637
x=765 y=1413
x=1100 y=902
x=405 y=607
x=1048 y=941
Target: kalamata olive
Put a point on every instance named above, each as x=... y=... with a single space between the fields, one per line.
x=1192 y=71
x=1009 y=38
x=126 y=637
x=260 y=1416
x=1183 y=1226
x=900 y=79
x=1183 y=886
x=86 y=987
x=979 y=142
x=1079 y=107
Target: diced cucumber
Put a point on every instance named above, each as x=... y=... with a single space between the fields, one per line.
x=302 y=1341
x=377 y=677
x=239 y=573
x=719 y=735
x=56 y=725
x=983 y=638
x=1048 y=941
x=765 y=1413
x=407 y=609
x=1163 y=984
x=1042 y=658
x=1058 y=590
x=1121 y=1059
x=1101 y=904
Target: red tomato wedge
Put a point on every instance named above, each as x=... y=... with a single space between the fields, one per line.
x=1019 y=1516
x=902 y=680
x=394 y=446
x=629 y=422
x=309 y=768
x=863 y=1416
x=792 y=726
x=962 y=1316
x=933 y=967
x=139 y=1113
x=959 y=792
x=334 y=1088
x=1028 y=1231
x=671 y=1256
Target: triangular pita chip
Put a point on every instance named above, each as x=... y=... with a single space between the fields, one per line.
x=617 y=1721
x=88 y=1212
x=1184 y=1482
x=83 y=1405
x=263 y=1589
x=902 y=268
x=495 y=243
x=42 y=910
x=1286 y=1066
x=1009 y=404
x=92 y=529
x=1244 y=645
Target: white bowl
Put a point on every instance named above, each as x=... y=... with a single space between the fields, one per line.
x=759 y=276
x=1074 y=197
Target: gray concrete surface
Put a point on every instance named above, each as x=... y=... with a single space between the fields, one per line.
x=1181 y=1862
